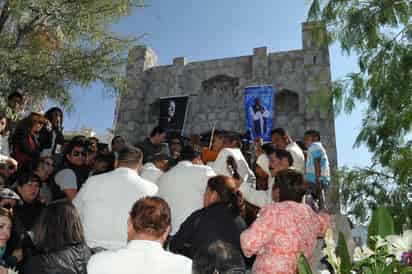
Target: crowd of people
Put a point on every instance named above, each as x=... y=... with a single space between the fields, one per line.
x=164 y=205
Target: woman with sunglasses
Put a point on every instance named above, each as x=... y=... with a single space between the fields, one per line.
x=25 y=144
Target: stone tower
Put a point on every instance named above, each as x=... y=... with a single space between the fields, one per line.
x=216 y=90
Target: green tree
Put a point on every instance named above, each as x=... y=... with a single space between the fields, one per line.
x=49 y=46
x=379 y=33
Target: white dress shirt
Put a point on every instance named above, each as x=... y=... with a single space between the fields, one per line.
x=221 y=168
x=151 y=173
x=259 y=198
x=183 y=188
x=139 y=256
x=104 y=203
x=298 y=157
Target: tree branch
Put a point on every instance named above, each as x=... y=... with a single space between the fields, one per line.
x=4 y=15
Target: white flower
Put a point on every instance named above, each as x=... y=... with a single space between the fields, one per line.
x=399 y=244
x=329 y=239
x=324 y=272
x=12 y=271
x=362 y=253
x=380 y=242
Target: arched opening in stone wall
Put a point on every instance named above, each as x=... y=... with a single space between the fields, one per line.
x=286 y=101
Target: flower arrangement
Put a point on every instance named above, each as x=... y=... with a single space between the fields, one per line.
x=385 y=253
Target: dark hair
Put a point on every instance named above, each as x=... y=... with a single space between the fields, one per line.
x=34 y=165
x=25 y=125
x=94 y=138
x=49 y=113
x=282 y=153
x=218 y=257
x=233 y=137
x=280 y=131
x=291 y=185
x=157 y=130
x=5 y=213
x=189 y=153
x=58 y=226
x=4 y=116
x=76 y=141
x=173 y=136
x=108 y=159
x=130 y=155
x=150 y=215
x=313 y=133
x=226 y=189
x=15 y=95
x=117 y=137
x=301 y=145
x=268 y=148
x=27 y=177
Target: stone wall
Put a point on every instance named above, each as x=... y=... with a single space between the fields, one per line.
x=216 y=89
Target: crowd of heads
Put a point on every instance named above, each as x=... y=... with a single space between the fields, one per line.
x=40 y=158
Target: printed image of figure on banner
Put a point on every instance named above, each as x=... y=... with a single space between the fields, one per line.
x=173 y=113
x=259 y=111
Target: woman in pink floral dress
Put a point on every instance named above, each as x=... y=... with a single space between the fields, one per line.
x=284 y=230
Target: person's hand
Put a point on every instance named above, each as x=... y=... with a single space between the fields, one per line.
x=12 y=164
x=3 y=270
x=48 y=125
x=18 y=253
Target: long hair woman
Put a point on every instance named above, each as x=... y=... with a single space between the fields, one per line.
x=25 y=143
x=59 y=238
x=219 y=220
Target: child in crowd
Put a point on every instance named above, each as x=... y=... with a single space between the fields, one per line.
x=317 y=172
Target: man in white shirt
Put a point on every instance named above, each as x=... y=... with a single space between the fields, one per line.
x=153 y=170
x=281 y=139
x=105 y=200
x=147 y=229
x=279 y=159
x=184 y=185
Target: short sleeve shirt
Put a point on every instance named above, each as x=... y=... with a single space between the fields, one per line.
x=315 y=151
x=66 y=179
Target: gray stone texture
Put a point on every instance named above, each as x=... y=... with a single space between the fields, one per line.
x=216 y=90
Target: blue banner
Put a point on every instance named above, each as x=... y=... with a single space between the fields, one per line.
x=259 y=106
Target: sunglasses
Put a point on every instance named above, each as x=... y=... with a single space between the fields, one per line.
x=78 y=154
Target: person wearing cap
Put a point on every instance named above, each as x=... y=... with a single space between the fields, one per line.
x=26 y=146
x=105 y=200
x=184 y=185
x=8 y=198
x=153 y=170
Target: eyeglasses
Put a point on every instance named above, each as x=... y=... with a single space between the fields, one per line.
x=79 y=153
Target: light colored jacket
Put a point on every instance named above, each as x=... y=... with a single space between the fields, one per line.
x=183 y=188
x=104 y=203
x=139 y=256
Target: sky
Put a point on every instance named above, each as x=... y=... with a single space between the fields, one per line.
x=203 y=30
